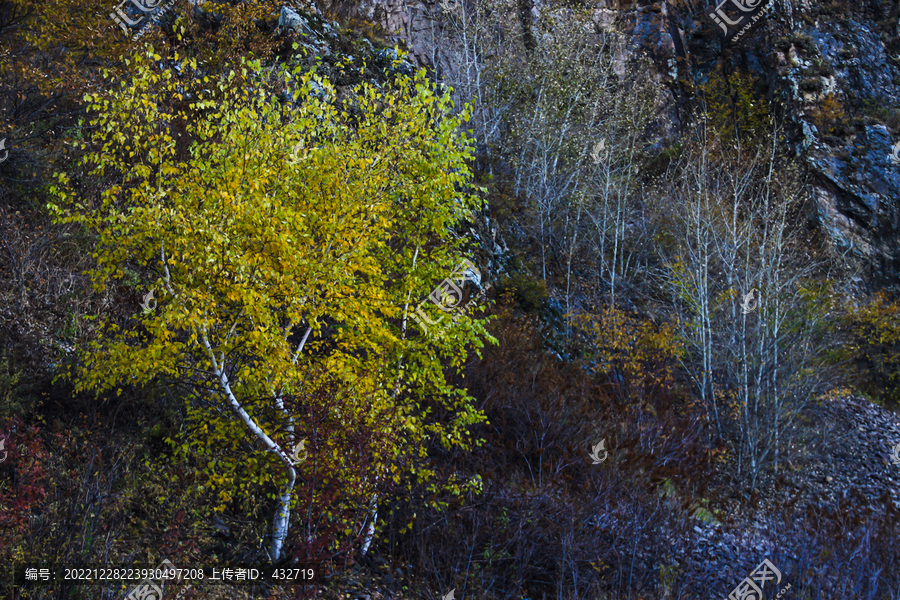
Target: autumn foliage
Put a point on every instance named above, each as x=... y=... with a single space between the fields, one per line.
x=206 y=317
x=286 y=255
x=875 y=344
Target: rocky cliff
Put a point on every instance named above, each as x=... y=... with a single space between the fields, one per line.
x=832 y=72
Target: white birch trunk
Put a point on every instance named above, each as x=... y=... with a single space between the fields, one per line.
x=282 y=517
x=370 y=530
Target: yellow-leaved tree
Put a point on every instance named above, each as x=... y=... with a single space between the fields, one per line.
x=286 y=249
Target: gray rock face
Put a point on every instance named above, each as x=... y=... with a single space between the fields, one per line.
x=805 y=57
x=856 y=186
x=814 y=69
x=291 y=20
x=856 y=192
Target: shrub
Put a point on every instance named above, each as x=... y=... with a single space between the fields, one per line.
x=548 y=521
x=885 y=114
x=829 y=115
x=875 y=344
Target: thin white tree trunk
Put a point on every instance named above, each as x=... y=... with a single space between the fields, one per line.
x=282 y=517
x=370 y=530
